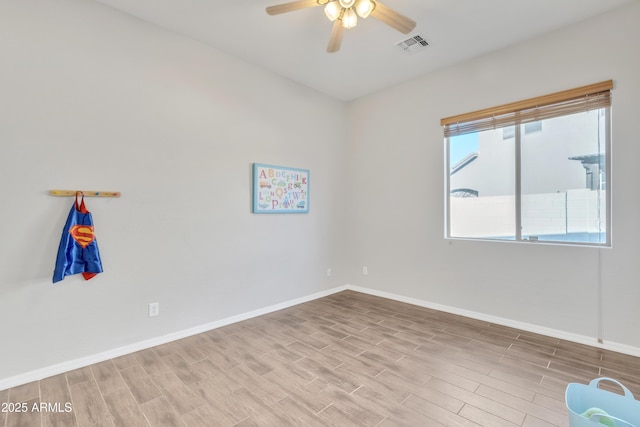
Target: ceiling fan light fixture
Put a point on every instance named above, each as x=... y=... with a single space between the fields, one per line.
x=332 y=10
x=344 y=15
x=349 y=19
x=364 y=8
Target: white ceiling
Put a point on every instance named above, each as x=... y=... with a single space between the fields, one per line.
x=294 y=44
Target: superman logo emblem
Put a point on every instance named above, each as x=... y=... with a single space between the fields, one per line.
x=83 y=234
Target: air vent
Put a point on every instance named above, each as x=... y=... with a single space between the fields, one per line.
x=413 y=44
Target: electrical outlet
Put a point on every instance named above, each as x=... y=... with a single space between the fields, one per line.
x=365 y=271
x=329 y=272
x=154 y=309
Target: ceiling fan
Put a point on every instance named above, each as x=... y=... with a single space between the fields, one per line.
x=344 y=15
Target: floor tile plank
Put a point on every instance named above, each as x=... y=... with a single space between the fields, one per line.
x=89 y=406
x=348 y=359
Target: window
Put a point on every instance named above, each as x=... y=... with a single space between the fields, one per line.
x=534 y=170
x=532 y=127
x=508 y=132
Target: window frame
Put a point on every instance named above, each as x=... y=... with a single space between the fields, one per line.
x=573 y=95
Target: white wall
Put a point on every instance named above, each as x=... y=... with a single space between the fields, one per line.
x=91 y=98
x=397 y=214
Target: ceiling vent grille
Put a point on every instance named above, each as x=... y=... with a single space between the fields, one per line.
x=413 y=44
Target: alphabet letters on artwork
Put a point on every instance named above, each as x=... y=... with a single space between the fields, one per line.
x=280 y=189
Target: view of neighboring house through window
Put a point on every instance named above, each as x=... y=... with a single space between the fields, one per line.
x=536 y=170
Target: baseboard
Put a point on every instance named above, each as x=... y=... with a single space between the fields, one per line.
x=59 y=368
x=70 y=365
x=528 y=327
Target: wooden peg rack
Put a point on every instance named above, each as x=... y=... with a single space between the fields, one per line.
x=87 y=193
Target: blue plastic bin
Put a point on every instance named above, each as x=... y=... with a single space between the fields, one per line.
x=621 y=410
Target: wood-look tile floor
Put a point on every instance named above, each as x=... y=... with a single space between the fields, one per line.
x=348 y=359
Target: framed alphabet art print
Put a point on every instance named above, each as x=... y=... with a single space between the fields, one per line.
x=279 y=189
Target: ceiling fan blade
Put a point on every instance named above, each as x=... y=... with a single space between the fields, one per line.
x=393 y=19
x=335 y=40
x=291 y=6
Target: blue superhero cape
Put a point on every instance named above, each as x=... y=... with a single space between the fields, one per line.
x=78 y=250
